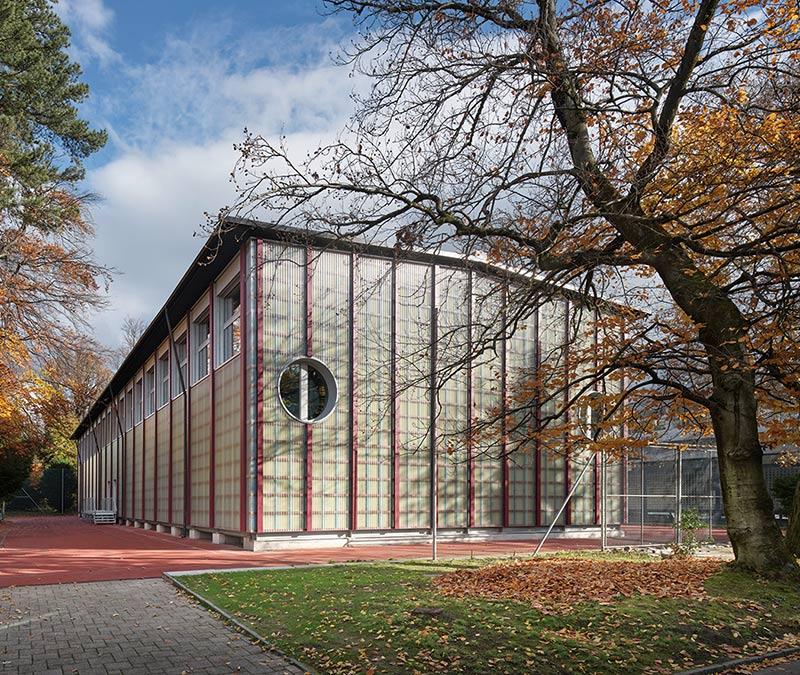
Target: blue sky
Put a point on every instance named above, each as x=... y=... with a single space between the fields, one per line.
x=174 y=83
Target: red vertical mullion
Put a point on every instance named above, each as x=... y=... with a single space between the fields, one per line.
x=155 y=438
x=260 y=386
x=353 y=401
x=470 y=457
x=395 y=406
x=567 y=460
x=187 y=415
x=597 y=475
x=244 y=301
x=144 y=435
x=309 y=465
x=171 y=349
x=504 y=408
x=212 y=491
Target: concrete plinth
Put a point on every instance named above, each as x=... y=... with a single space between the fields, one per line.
x=149 y=526
x=199 y=534
x=138 y=523
x=176 y=531
x=162 y=528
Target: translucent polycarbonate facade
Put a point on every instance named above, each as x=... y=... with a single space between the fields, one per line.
x=425 y=383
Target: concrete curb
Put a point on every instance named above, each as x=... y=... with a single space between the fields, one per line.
x=265 y=644
x=735 y=663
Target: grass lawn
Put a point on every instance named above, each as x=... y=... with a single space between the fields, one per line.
x=358 y=618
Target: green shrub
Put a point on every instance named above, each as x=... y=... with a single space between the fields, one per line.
x=688 y=525
x=784 y=487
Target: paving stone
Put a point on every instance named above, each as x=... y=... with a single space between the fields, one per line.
x=138 y=626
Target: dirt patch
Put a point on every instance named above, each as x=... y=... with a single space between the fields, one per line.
x=555 y=584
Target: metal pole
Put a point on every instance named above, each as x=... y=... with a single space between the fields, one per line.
x=641 y=500
x=433 y=463
x=62 y=490
x=679 y=496
x=603 y=523
x=571 y=492
x=710 y=496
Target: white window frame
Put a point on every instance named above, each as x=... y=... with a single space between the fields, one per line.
x=222 y=323
x=150 y=393
x=179 y=364
x=138 y=400
x=203 y=315
x=160 y=381
x=129 y=410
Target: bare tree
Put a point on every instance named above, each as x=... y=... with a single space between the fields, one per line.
x=132 y=328
x=645 y=152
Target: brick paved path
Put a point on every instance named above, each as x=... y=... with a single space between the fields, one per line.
x=142 y=626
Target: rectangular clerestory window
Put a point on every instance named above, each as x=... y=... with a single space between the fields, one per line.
x=150 y=391
x=129 y=410
x=201 y=339
x=163 y=379
x=228 y=334
x=180 y=371
x=137 y=401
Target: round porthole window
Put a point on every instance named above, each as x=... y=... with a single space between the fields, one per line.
x=307 y=390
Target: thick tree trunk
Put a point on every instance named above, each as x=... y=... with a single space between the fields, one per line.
x=793 y=533
x=755 y=536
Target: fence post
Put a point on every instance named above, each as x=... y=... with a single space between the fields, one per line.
x=710 y=496
x=678 y=495
x=603 y=523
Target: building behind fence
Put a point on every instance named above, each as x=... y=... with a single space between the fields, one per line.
x=646 y=495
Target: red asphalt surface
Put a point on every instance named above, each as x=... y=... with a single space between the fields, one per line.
x=64 y=549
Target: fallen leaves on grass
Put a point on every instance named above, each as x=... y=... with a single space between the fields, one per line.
x=556 y=584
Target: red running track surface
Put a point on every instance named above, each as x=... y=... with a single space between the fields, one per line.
x=63 y=549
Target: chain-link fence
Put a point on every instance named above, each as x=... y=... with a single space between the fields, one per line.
x=645 y=496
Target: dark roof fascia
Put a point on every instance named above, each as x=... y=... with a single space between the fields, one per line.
x=321 y=240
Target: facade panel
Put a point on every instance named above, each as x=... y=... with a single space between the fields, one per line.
x=163 y=456
x=330 y=342
x=149 y=467
x=177 y=413
x=373 y=357
x=227 y=456
x=521 y=366
x=452 y=412
x=487 y=402
x=201 y=451
x=413 y=342
x=284 y=283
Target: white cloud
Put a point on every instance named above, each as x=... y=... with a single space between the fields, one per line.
x=175 y=153
x=89 y=21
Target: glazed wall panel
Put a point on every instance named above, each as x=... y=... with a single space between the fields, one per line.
x=149 y=466
x=284 y=322
x=551 y=336
x=163 y=456
x=487 y=401
x=330 y=343
x=177 y=459
x=227 y=449
x=201 y=451
x=452 y=415
x=520 y=367
x=137 y=493
x=373 y=352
